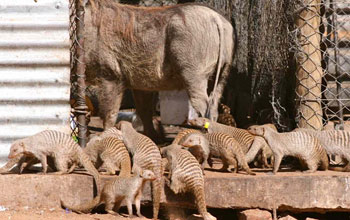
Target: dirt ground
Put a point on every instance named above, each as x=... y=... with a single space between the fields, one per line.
x=55 y=215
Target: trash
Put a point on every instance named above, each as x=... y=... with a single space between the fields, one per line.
x=2 y=209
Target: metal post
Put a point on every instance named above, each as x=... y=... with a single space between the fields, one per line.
x=81 y=109
x=336 y=58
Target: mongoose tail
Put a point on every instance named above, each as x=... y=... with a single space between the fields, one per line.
x=200 y=201
x=83 y=208
x=85 y=161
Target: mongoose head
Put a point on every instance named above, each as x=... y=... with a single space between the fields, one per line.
x=148 y=175
x=17 y=149
x=191 y=140
x=164 y=151
x=260 y=130
x=122 y=125
x=199 y=122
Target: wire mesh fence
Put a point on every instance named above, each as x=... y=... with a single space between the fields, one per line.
x=322 y=50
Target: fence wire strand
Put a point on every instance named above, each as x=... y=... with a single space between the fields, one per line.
x=321 y=44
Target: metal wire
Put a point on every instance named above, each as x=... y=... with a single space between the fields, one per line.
x=323 y=93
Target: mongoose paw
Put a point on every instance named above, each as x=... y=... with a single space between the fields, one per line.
x=107 y=173
x=271 y=173
x=309 y=171
x=140 y=215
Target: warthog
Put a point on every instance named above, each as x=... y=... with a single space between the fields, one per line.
x=152 y=49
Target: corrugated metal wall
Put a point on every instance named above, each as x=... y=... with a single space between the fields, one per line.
x=34 y=69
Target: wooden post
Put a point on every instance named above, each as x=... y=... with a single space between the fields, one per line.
x=309 y=70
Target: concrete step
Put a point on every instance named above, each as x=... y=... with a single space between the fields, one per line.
x=317 y=192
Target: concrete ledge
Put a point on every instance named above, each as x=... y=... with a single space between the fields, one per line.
x=318 y=192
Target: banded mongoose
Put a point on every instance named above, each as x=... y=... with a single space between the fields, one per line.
x=146 y=155
x=58 y=145
x=197 y=145
x=251 y=145
x=186 y=176
x=117 y=190
x=335 y=142
x=298 y=144
x=266 y=149
x=111 y=154
x=220 y=145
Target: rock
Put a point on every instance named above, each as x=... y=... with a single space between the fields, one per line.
x=255 y=214
x=288 y=217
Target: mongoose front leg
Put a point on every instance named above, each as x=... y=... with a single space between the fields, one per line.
x=277 y=162
x=138 y=204
x=129 y=205
x=25 y=164
x=210 y=161
x=71 y=169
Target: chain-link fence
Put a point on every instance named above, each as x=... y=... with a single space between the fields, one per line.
x=322 y=49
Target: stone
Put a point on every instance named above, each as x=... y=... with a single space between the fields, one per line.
x=254 y=214
x=288 y=217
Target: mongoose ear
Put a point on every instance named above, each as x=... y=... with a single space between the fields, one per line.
x=21 y=144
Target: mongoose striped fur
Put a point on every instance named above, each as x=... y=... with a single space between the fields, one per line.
x=251 y=145
x=223 y=146
x=335 y=142
x=60 y=146
x=117 y=190
x=186 y=176
x=298 y=144
x=94 y=147
x=183 y=133
x=111 y=154
x=146 y=156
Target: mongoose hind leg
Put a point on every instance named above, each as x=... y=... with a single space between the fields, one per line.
x=43 y=160
x=176 y=184
x=312 y=166
x=225 y=165
x=234 y=162
x=111 y=203
x=62 y=166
